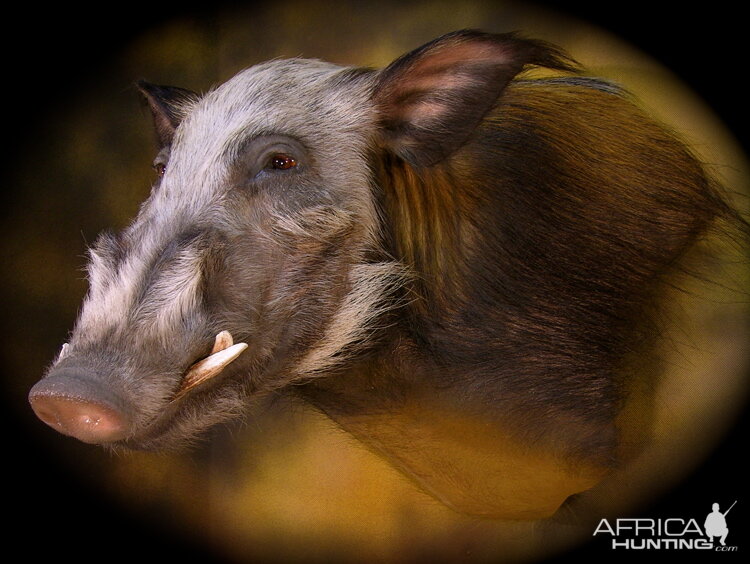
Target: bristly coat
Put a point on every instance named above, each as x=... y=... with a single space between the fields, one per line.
x=453 y=263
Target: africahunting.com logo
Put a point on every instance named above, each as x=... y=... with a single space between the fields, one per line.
x=669 y=534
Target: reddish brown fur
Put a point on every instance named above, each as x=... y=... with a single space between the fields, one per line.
x=540 y=248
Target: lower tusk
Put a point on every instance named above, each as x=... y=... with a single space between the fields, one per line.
x=63 y=352
x=205 y=369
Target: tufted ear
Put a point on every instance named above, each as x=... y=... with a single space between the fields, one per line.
x=431 y=99
x=168 y=105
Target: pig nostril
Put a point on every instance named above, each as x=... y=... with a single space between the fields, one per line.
x=87 y=421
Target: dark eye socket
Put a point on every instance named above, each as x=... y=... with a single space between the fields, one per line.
x=160 y=169
x=282 y=161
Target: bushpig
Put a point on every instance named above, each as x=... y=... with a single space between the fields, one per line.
x=456 y=264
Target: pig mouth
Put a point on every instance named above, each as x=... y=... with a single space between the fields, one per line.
x=224 y=352
x=197 y=378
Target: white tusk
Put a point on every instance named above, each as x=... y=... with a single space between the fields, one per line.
x=205 y=369
x=63 y=352
x=223 y=341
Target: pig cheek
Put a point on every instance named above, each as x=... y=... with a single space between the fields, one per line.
x=240 y=293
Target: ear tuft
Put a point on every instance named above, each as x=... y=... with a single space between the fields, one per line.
x=431 y=99
x=168 y=105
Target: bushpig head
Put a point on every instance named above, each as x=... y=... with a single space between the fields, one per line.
x=257 y=261
x=255 y=231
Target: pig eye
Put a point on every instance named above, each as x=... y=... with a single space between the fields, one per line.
x=160 y=162
x=281 y=161
x=270 y=157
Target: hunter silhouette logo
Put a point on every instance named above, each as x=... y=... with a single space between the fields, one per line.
x=674 y=533
x=716 y=524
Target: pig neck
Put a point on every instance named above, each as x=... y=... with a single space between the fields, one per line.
x=410 y=402
x=448 y=446
x=430 y=228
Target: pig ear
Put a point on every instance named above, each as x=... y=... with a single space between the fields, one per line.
x=431 y=99
x=168 y=105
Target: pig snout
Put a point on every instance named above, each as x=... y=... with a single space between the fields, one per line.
x=70 y=401
x=79 y=400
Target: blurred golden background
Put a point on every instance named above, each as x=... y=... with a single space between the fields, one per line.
x=287 y=485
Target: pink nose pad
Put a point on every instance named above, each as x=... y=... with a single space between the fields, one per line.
x=82 y=404
x=85 y=420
